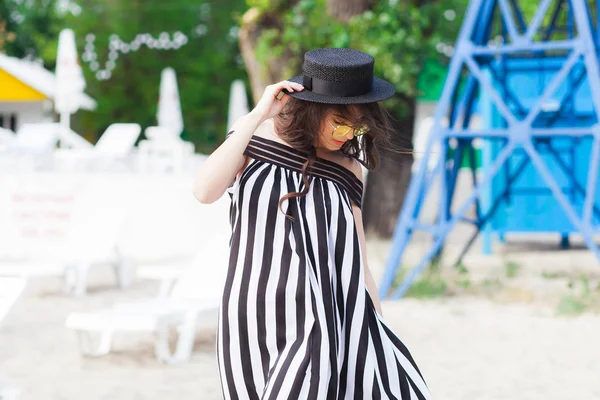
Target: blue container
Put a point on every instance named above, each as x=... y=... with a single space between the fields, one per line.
x=528 y=205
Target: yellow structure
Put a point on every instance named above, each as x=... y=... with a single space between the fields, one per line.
x=27 y=93
x=15 y=90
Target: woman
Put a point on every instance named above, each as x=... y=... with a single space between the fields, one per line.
x=300 y=316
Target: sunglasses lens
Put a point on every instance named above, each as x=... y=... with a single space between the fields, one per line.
x=361 y=130
x=341 y=131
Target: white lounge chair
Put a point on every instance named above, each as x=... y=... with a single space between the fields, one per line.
x=42 y=137
x=164 y=151
x=34 y=144
x=118 y=140
x=194 y=298
x=37 y=138
x=11 y=288
x=189 y=295
x=31 y=148
x=113 y=149
x=8 y=393
x=6 y=138
x=71 y=140
x=97 y=219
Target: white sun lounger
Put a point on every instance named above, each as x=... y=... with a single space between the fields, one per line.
x=118 y=140
x=113 y=149
x=34 y=144
x=164 y=151
x=8 y=393
x=11 y=288
x=31 y=148
x=115 y=146
x=6 y=138
x=97 y=221
x=70 y=139
x=38 y=138
x=189 y=296
x=192 y=301
x=42 y=137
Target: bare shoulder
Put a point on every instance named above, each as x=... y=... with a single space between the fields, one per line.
x=267 y=130
x=353 y=165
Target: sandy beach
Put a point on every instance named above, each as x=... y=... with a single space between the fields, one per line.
x=467 y=347
x=108 y=108
x=499 y=337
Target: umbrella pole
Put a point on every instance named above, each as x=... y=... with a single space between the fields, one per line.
x=65 y=127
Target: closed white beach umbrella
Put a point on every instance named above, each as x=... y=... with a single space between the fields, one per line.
x=169 y=107
x=238 y=102
x=70 y=83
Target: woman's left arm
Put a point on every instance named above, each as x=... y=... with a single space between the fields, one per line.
x=358 y=221
x=369 y=281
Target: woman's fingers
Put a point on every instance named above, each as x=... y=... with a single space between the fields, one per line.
x=296 y=86
x=291 y=86
x=274 y=98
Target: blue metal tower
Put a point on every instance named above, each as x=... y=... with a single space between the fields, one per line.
x=498 y=55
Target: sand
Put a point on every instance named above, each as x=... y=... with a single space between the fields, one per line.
x=467 y=348
x=485 y=342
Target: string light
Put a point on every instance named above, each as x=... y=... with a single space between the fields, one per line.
x=117 y=46
x=450 y=15
x=446 y=49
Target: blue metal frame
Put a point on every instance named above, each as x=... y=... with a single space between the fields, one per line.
x=521 y=132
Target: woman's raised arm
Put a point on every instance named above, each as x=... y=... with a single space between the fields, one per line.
x=218 y=171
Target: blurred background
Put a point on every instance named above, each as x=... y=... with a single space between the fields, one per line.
x=483 y=237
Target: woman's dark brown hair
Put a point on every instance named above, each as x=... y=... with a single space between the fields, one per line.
x=299 y=125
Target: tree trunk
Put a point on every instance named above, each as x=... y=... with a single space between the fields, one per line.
x=386 y=187
x=253 y=24
x=260 y=74
x=343 y=10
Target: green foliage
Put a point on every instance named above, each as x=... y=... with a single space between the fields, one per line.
x=463 y=280
x=551 y=275
x=461 y=269
x=205 y=66
x=305 y=26
x=528 y=9
x=570 y=305
x=464 y=283
x=430 y=286
x=30 y=29
x=491 y=286
x=580 y=297
x=267 y=5
x=511 y=269
x=400 y=37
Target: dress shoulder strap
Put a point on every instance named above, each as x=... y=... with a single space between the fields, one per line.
x=280 y=154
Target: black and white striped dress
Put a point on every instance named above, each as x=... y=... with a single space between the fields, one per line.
x=296 y=320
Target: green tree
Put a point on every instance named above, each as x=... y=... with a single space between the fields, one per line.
x=30 y=29
x=205 y=66
x=401 y=35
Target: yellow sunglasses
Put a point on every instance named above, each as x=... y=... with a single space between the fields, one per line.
x=340 y=131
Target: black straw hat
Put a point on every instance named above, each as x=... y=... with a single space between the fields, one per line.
x=340 y=76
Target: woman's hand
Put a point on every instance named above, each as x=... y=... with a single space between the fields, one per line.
x=274 y=99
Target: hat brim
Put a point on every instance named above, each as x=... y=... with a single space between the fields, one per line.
x=382 y=90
